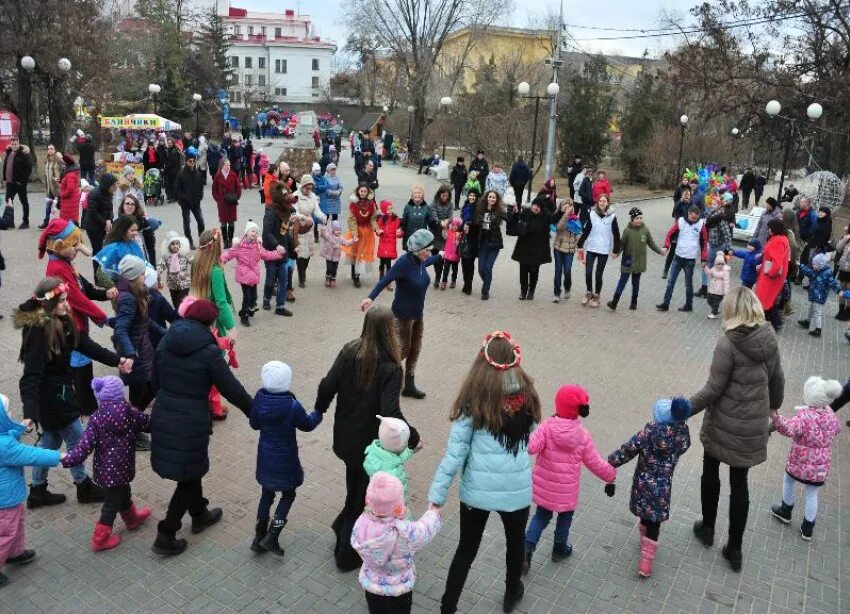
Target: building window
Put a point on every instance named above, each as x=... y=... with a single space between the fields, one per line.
x=234 y=61
x=250 y=30
x=249 y=62
x=315 y=82
x=247 y=79
x=235 y=79
x=237 y=96
x=237 y=30
x=261 y=80
x=277 y=32
x=280 y=66
x=280 y=91
x=315 y=64
x=263 y=30
x=261 y=63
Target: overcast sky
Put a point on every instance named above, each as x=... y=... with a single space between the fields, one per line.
x=329 y=19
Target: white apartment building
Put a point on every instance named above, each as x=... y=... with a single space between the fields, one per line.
x=275 y=57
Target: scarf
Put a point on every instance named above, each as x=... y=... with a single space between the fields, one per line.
x=174 y=263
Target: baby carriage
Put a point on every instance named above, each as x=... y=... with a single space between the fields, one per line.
x=154 y=194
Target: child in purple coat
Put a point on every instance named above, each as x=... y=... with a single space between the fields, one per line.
x=111 y=435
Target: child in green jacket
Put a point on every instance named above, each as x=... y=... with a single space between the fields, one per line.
x=389 y=451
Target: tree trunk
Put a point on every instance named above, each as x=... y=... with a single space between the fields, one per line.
x=417 y=94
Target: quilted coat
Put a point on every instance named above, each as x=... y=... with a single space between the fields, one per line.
x=821 y=282
x=248 y=254
x=562 y=446
x=69 y=194
x=14 y=456
x=773 y=270
x=813 y=430
x=388 y=242
x=379 y=459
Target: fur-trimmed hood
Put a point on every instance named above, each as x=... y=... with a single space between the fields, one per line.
x=30 y=314
x=169 y=239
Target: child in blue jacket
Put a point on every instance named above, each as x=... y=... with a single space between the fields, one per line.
x=14 y=456
x=751 y=257
x=276 y=413
x=822 y=281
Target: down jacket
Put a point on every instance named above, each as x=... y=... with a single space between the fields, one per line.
x=277 y=416
x=813 y=430
x=562 y=446
x=248 y=255
x=745 y=382
x=69 y=194
x=132 y=335
x=532 y=246
x=491 y=477
x=14 y=456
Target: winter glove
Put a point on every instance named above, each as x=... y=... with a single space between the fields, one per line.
x=610 y=489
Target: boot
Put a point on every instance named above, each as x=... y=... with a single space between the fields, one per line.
x=4 y=580
x=782 y=512
x=206 y=519
x=803 y=323
x=843 y=314
x=512 y=598
x=612 y=304
x=39 y=496
x=133 y=517
x=526 y=561
x=815 y=333
x=703 y=292
x=633 y=304
x=89 y=492
x=356 y=281
x=806 y=529
x=561 y=552
x=167 y=545
x=734 y=557
x=704 y=533
x=260 y=530
x=102 y=538
x=244 y=320
x=647 y=555
x=290 y=295
x=410 y=389
x=269 y=541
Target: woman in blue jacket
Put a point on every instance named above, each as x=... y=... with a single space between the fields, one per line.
x=488 y=445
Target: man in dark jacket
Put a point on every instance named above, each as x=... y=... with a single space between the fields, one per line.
x=188 y=363
x=17 y=166
x=86 y=151
x=747 y=185
x=99 y=213
x=458 y=177
x=173 y=161
x=214 y=153
x=481 y=165
x=189 y=191
x=677 y=193
x=277 y=236
x=585 y=192
x=367 y=176
x=519 y=176
x=572 y=172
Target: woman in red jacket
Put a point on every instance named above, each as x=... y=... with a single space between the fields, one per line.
x=69 y=191
x=601 y=186
x=773 y=272
x=226 y=190
x=388 y=233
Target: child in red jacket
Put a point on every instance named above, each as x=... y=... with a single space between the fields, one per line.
x=389 y=231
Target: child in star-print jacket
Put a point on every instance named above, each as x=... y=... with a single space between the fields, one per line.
x=111 y=435
x=658 y=446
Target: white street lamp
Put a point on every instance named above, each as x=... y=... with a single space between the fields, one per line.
x=684 y=120
x=524 y=88
x=410 y=108
x=735 y=131
x=773 y=108
x=814 y=111
x=64 y=64
x=446 y=101
x=28 y=63
x=386 y=109
x=196 y=97
x=553 y=88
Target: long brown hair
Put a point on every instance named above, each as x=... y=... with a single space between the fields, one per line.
x=207 y=256
x=58 y=327
x=481 y=206
x=140 y=293
x=483 y=393
x=378 y=334
x=120 y=228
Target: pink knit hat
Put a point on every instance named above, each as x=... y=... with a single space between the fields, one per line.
x=385 y=495
x=394 y=434
x=109 y=388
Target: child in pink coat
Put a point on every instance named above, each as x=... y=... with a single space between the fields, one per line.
x=386 y=542
x=451 y=255
x=248 y=251
x=332 y=242
x=718 y=283
x=562 y=446
x=813 y=430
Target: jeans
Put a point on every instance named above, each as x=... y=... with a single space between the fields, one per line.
x=276 y=271
x=739 y=498
x=811 y=494
x=331 y=268
x=679 y=264
x=20 y=189
x=601 y=260
x=195 y=210
x=52 y=440
x=283 y=506
x=385 y=604
x=410 y=336
x=528 y=274
x=712 y=256
x=249 y=299
x=472 y=523
x=118 y=499
x=486 y=260
x=815 y=316
x=621 y=285
x=563 y=270
x=187 y=497
x=540 y=521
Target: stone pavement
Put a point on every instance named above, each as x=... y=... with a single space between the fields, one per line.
x=625 y=359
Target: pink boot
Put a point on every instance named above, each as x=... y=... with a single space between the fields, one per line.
x=647 y=555
x=102 y=538
x=133 y=517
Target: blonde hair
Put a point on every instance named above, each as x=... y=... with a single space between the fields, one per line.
x=207 y=257
x=419 y=187
x=741 y=307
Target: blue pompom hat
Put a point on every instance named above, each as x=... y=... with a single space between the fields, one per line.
x=668 y=411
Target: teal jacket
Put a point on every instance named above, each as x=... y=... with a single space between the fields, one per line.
x=491 y=477
x=14 y=456
x=378 y=459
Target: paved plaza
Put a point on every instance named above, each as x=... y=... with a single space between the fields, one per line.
x=625 y=359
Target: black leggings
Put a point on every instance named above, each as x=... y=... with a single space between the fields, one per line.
x=384 y=266
x=739 y=499
x=249 y=300
x=356 y=483
x=302 y=264
x=467 y=267
x=472 y=523
x=331 y=268
x=187 y=497
x=601 y=260
x=449 y=267
x=117 y=499
x=652 y=529
x=528 y=274
x=385 y=604
x=142 y=394
x=438 y=266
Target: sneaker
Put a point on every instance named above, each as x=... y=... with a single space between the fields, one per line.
x=712 y=316
x=662 y=307
x=283 y=311
x=803 y=323
x=566 y=295
x=806 y=530
x=782 y=512
x=815 y=333
x=24 y=558
x=587 y=297
x=267 y=306
x=594 y=301
x=556 y=299
x=685 y=308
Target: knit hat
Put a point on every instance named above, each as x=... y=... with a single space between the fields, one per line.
x=330 y=166
x=756 y=244
x=385 y=206
x=819 y=392
x=668 y=411
x=335 y=225
x=720 y=258
x=108 y=388
x=131 y=267
x=571 y=402
x=316 y=167
x=820 y=261
x=249 y=226
x=634 y=212
x=276 y=376
x=393 y=433
x=127 y=170
x=419 y=240
x=306 y=180
x=385 y=495
x=151 y=278
x=60 y=234
x=203 y=311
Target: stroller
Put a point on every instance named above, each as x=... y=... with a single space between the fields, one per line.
x=154 y=194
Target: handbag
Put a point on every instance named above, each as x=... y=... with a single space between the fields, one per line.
x=231 y=199
x=627 y=260
x=515 y=227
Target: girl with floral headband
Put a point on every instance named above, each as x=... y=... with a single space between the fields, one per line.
x=492 y=419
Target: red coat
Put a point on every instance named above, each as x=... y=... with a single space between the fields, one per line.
x=69 y=195
x=601 y=186
x=388 y=242
x=226 y=185
x=771 y=278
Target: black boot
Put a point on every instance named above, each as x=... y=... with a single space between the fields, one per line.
x=206 y=519
x=612 y=304
x=167 y=544
x=782 y=511
x=410 y=389
x=633 y=304
x=512 y=598
x=260 y=531
x=561 y=552
x=89 y=492
x=843 y=314
x=356 y=281
x=40 y=497
x=244 y=318
x=704 y=533
x=735 y=558
x=269 y=541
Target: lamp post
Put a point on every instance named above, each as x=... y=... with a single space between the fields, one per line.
x=197 y=99
x=524 y=90
x=410 y=109
x=552 y=90
x=25 y=99
x=55 y=100
x=445 y=103
x=773 y=109
x=683 y=120
x=154 y=91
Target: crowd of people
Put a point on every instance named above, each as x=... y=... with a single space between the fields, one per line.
x=175 y=359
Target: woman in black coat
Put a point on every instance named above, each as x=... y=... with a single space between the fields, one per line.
x=532 y=247
x=366 y=380
x=188 y=363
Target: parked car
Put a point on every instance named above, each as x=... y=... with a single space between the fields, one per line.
x=745 y=224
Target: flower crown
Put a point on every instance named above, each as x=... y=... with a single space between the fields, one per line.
x=485 y=350
x=216 y=236
x=51 y=294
